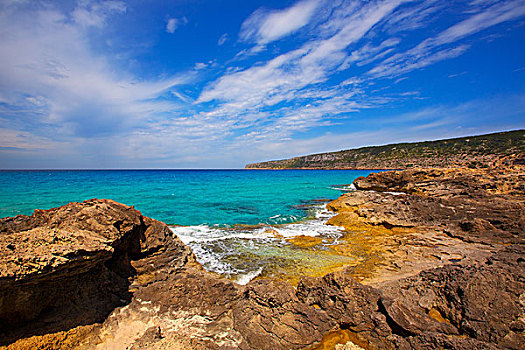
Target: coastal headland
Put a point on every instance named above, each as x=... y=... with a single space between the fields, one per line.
x=440 y=264
x=473 y=151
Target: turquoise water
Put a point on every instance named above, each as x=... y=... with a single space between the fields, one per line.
x=237 y=222
x=179 y=197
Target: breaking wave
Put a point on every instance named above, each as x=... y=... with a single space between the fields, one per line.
x=242 y=253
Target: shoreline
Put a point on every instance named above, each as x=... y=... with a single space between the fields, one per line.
x=308 y=241
x=350 y=168
x=419 y=249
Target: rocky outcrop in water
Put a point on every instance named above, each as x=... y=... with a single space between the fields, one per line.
x=484 y=206
x=98 y=274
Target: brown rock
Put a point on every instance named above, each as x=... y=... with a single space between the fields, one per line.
x=409 y=321
x=482 y=300
x=480 y=296
x=100 y=275
x=270 y=316
x=349 y=303
x=151 y=335
x=69 y=266
x=481 y=206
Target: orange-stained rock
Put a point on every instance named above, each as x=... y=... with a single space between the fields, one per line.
x=305 y=241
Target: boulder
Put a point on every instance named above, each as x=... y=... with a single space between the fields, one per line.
x=70 y=266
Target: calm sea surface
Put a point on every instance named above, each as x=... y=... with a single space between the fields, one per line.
x=179 y=197
x=239 y=223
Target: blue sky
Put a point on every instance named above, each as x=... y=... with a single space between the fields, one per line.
x=218 y=84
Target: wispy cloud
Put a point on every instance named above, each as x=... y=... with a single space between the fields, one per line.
x=431 y=123
x=457 y=74
x=414 y=59
x=369 y=53
x=265 y=26
x=95 y=13
x=61 y=92
x=222 y=39
x=282 y=97
x=44 y=69
x=291 y=79
x=417 y=15
x=173 y=23
x=301 y=67
x=432 y=50
x=500 y=12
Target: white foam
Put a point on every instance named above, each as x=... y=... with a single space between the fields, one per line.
x=204 y=240
x=212 y=261
x=203 y=233
x=345 y=188
x=313 y=227
x=243 y=279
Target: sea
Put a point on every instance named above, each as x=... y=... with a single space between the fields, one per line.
x=239 y=223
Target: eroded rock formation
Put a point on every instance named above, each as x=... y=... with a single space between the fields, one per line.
x=67 y=266
x=100 y=275
x=463 y=250
x=71 y=266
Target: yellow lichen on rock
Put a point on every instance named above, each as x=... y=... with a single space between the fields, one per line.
x=305 y=241
x=340 y=339
x=436 y=315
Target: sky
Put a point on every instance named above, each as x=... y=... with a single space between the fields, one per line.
x=219 y=84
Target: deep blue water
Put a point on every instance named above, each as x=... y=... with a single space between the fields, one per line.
x=179 y=197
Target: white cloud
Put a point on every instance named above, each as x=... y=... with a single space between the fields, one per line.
x=421 y=14
x=174 y=23
x=44 y=72
x=401 y=64
x=95 y=13
x=22 y=140
x=437 y=122
x=200 y=65
x=265 y=26
x=283 y=96
x=359 y=22
x=500 y=12
x=369 y=53
x=222 y=39
x=298 y=68
x=435 y=49
x=292 y=77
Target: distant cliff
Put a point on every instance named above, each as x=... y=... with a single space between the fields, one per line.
x=474 y=151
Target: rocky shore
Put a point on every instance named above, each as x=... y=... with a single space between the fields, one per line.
x=441 y=261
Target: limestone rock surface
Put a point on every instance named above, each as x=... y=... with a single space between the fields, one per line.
x=447 y=273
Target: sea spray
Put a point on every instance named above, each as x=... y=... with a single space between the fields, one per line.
x=243 y=253
x=243 y=279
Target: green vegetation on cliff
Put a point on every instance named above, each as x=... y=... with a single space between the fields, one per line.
x=473 y=151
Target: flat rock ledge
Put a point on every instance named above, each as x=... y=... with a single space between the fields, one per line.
x=99 y=275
